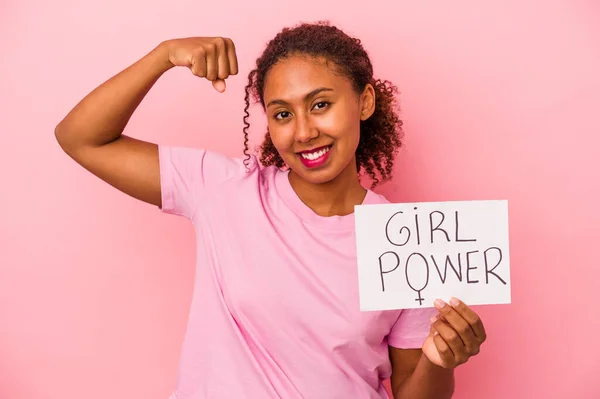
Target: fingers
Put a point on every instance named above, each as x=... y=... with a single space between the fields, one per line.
x=222 y=59
x=212 y=65
x=446 y=354
x=450 y=346
x=232 y=57
x=470 y=317
x=460 y=326
x=459 y=329
x=213 y=58
x=198 y=63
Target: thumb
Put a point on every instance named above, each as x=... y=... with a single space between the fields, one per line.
x=219 y=85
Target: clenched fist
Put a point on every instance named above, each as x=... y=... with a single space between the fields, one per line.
x=213 y=58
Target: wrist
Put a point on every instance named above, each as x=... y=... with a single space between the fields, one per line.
x=160 y=56
x=430 y=366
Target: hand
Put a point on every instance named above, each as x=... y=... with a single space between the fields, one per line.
x=456 y=334
x=213 y=58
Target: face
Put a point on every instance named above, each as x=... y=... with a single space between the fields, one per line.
x=314 y=117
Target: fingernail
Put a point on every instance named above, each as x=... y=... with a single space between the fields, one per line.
x=433 y=319
x=439 y=303
x=454 y=301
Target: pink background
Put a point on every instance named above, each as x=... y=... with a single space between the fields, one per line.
x=500 y=100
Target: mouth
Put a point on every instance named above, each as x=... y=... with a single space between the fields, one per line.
x=315 y=157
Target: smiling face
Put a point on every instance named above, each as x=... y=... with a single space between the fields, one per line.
x=314 y=116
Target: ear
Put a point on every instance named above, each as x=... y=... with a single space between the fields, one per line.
x=367 y=102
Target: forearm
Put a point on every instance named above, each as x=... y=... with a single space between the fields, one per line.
x=102 y=115
x=428 y=381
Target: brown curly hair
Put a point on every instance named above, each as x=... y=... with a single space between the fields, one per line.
x=380 y=135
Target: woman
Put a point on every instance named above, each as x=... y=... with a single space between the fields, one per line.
x=275 y=307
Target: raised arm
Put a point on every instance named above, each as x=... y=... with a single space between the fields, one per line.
x=91 y=133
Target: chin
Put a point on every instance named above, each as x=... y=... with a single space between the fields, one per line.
x=317 y=178
x=321 y=175
x=319 y=170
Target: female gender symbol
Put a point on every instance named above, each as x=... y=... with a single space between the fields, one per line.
x=420 y=299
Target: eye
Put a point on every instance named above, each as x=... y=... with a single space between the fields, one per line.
x=282 y=115
x=321 y=105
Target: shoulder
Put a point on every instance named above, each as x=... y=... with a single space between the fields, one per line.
x=205 y=165
x=374 y=198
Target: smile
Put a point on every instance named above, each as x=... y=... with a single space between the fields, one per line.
x=316 y=157
x=315 y=154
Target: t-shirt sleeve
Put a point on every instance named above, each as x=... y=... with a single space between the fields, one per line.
x=411 y=328
x=185 y=173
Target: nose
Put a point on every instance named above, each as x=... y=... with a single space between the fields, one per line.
x=305 y=130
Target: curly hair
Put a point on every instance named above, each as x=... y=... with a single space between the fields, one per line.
x=380 y=135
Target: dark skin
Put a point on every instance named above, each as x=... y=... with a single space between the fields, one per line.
x=308 y=106
x=456 y=335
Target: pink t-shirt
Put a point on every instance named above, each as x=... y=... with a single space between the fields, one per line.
x=275 y=310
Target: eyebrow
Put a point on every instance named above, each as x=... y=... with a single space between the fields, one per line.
x=306 y=97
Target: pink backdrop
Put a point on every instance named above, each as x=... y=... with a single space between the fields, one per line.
x=500 y=101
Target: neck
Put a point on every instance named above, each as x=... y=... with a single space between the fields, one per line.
x=336 y=197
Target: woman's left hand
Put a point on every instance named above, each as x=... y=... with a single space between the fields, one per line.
x=456 y=334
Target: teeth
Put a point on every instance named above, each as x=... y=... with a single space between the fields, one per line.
x=314 y=155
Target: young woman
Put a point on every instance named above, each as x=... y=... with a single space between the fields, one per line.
x=275 y=310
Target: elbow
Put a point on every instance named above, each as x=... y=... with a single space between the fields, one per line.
x=63 y=137
x=60 y=131
x=59 y=135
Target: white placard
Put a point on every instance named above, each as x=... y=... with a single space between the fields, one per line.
x=409 y=254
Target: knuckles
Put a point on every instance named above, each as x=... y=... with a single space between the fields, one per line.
x=452 y=336
x=220 y=42
x=463 y=329
x=473 y=350
x=210 y=47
